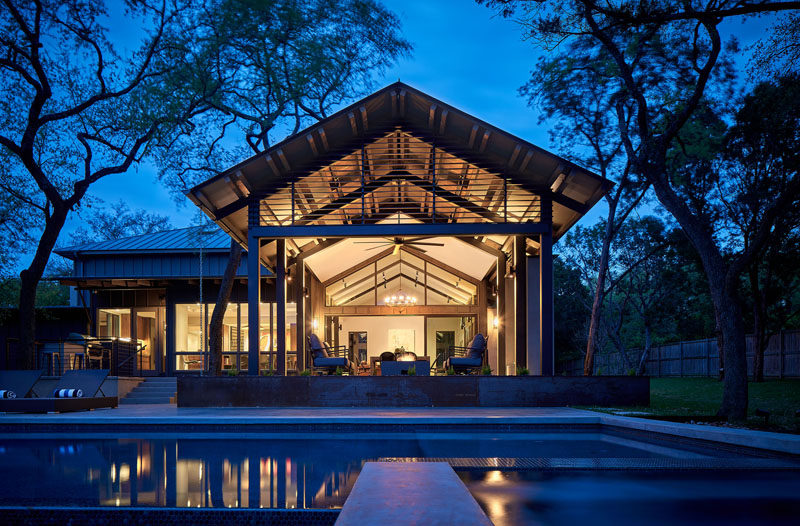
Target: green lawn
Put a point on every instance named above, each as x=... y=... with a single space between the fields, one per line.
x=690 y=397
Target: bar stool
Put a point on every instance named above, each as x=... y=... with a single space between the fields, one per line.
x=78 y=358
x=51 y=356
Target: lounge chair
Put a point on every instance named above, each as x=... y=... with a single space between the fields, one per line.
x=18 y=384
x=87 y=381
x=470 y=358
x=327 y=358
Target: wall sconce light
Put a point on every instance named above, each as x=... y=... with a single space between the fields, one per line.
x=496 y=322
x=305 y=292
x=314 y=324
x=289 y=275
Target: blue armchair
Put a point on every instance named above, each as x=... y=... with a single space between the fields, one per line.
x=326 y=358
x=466 y=359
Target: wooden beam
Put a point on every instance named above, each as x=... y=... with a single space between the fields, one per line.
x=358 y=266
x=418 y=310
x=399 y=230
x=439 y=264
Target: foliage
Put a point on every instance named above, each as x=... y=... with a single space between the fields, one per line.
x=486 y=370
x=779 y=53
x=276 y=65
x=116 y=222
x=339 y=371
x=412 y=371
x=305 y=372
x=670 y=67
x=450 y=371
x=48 y=293
x=233 y=372
x=522 y=371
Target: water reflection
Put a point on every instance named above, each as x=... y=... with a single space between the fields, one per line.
x=180 y=473
x=266 y=471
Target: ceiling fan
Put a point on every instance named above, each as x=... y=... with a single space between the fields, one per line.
x=398 y=242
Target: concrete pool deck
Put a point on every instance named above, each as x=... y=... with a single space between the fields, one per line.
x=154 y=418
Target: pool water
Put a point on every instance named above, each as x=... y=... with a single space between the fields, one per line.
x=614 y=498
x=318 y=470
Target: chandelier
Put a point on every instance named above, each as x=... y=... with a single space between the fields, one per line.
x=400 y=300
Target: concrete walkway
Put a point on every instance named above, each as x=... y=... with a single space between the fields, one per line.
x=429 y=494
x=151 y=417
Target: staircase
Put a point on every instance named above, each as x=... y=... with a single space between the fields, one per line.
x=156 y=390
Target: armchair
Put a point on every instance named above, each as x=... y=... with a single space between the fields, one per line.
x=326 y=358
x=470 y=358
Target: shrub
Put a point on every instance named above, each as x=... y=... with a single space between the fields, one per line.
x=412 y=371
x=233 y=372
x=451 y=371
x=486 y=370
x=522 y=371
x=305 y=372
x=267 y=372
x=631 y=372
x=339 y=371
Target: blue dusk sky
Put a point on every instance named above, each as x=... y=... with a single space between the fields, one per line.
x=463 y=54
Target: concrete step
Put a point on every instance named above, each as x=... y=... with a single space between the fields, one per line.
x=145 y=400
x=165 y=396
x=153 y=389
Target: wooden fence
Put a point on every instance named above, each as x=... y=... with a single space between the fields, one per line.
x=698 y=358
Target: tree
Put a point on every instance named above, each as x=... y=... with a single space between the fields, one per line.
x=116 y=222
x=779 y=54
x=571 y=90
x=762 y=157
x=669 y=59
x=279 y=64
x=76 y=106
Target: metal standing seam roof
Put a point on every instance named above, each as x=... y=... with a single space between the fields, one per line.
x=188 y=239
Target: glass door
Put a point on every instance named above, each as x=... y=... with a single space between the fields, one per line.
x=148 y=327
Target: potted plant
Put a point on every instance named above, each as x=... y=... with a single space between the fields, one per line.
x=522 y=371
x=305 y=372
x=450 y=371
x=486 y=370
x=412 y=371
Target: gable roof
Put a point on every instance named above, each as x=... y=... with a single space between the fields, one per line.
x=191 y=239
x=573 y=189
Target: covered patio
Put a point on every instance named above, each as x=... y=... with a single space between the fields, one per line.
x=401 y=223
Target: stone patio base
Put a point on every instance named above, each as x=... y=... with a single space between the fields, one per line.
x=412 y=391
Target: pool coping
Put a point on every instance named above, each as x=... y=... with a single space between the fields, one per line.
x=244 y=419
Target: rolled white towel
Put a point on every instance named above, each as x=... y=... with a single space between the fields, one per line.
x=67 y=393
x=5 y=393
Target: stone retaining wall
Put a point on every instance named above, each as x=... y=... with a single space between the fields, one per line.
x=411 y=391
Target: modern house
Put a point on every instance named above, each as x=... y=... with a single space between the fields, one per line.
x=398 y=222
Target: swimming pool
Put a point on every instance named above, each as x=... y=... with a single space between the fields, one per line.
x=318 y=470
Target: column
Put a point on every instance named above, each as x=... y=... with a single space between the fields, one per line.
x=280 y=300
x=546 y=337
x=300 y=300
x=500 y=305
x=521 y=301
x=253 y=303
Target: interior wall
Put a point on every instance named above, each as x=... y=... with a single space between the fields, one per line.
x=377 y=329
x=444 y=324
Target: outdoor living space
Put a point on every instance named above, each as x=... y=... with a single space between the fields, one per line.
x=401 y=229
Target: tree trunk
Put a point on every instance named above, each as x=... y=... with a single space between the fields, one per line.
x=646 y=352
x=727 y=304
x=599 y=292
x=759 y=325
x=29 y=281
x=217 y=317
